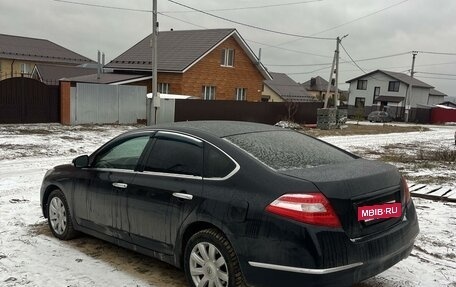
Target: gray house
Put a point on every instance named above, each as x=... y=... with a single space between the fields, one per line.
x=385 y=90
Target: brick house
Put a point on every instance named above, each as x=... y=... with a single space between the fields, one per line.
x=213 y=64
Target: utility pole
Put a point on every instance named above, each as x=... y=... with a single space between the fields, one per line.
x=336 y=63
x=328 y=90
x=336 y=94
x=155 y=100
x=410 y=94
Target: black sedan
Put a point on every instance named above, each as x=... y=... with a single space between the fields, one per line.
x=236 y=204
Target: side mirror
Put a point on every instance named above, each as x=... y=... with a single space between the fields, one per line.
x=81 y=161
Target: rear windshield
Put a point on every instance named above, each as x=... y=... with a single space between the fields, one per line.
x=284 y=150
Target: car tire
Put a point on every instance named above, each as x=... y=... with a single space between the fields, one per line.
x=210 y=257
x=59 y=216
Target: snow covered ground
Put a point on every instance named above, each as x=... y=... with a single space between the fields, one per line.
x=31 y=256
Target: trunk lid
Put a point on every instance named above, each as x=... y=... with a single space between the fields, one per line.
x=352 y=184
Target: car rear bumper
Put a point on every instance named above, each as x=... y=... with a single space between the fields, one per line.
x=346 y=275
x=327 y=258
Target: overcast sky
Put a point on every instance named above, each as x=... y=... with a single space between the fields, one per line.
x=422 y=25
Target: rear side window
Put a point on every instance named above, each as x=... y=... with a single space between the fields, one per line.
x=176 y=157
x=216 y=163
x=284 y=150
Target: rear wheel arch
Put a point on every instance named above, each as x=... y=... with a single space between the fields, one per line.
x=189 y=231
x=222 y=264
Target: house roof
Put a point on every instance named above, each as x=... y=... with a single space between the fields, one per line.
x=53 y=73
x=178 y=50
x=37 y=50
x=406 y=79
x=317 y=84
x=435 y=92
x=108 y=78
x=288 y=89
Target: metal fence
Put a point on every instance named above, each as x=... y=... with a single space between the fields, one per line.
x=26 y=100
x=107 y=104
x=268 y=113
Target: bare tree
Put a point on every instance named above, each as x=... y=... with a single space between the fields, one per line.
x=292 y=108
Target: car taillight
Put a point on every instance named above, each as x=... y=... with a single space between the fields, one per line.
x=311 y=208
x=407 y=196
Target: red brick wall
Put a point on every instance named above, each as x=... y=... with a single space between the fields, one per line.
x=65 y=103
x=209 y=72
x=173 y=79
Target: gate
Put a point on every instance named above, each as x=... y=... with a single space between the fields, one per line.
x=26 y=100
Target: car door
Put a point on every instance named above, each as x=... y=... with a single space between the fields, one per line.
x=101 y=189
x=170 y=183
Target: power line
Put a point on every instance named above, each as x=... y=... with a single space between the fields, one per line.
x=175 y=18
x=297 y=65
x=344 y=62
x=438 y=78
x=354 y=62
x=349 y=22
x=437 y=74
x=290 y=50
x=310 y=72
x=362 y=17
x=103 y=6
x=252 y=26
x=184 y=21
x=247 y=8
x=437 y=53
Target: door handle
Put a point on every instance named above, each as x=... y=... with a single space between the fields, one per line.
x=119 y=184
x=183 y=195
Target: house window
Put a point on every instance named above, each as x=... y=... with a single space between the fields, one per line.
x=362 y=85
x=24 y=68
x=208 y=92
x=163 y=88
x=359 y=102
x=228 y=57
x=241 y=94
x=393 y=86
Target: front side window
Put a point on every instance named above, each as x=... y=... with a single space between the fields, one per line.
x=393 y=86
x=163 y=88
x=362 y=85
x=208 y=92
x=228 y=57
x=122 y=156
x=241 y=94
x=174 y=156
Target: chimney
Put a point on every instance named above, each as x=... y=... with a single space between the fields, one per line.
x=102 y=62
x=313 y=82
x=99 y=65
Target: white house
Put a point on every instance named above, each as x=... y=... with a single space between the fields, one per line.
x=385 y=90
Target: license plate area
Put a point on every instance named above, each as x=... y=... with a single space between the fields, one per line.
x=372 y=213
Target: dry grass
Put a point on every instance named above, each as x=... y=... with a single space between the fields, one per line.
x=353 y=129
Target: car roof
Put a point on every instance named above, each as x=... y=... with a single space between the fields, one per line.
x=218 y=129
